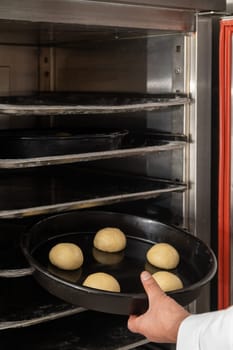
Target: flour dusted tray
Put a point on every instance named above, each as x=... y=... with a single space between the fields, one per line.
x=36 y=191
x=87 y=103
x=30 y=143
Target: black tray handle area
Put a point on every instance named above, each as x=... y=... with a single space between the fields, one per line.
x=13 y=273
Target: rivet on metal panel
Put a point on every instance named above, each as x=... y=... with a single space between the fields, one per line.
x=178 y=70
x=46 y=69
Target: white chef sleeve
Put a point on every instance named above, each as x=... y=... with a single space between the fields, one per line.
x=207 y=331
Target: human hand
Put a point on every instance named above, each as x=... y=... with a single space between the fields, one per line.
x=160 y=323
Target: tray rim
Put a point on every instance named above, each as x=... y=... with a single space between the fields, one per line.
x=152 y=242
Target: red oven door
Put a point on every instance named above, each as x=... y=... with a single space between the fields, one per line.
x=225 y=219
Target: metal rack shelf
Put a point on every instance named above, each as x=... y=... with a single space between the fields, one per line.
x=123 y=152
x=45 y=190
x=81 y=331
x=30 y=305
x=60 y=104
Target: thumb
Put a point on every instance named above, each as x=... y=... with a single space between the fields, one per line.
x=151 y=287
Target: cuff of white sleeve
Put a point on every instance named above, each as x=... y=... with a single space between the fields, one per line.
x=188 y=335
x=211 y=330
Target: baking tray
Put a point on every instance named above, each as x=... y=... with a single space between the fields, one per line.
x=197 y=262
x=130 y=144
x=29 y=143
x=30 y=305
x=47 y=104
x=37 y=191
x=88 y=330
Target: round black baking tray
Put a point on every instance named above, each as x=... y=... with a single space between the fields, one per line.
x=48 y=142
x=196 y=268
x=85 y=103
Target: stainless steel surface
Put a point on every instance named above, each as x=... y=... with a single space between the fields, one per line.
x=103 y=65
x=20 y=65
x=165 y=72
x=200 y=154
x=229 y=6
x=113 y=14
x=200 y=146
x=67 y=6
x=169 y=71
x=185 y=4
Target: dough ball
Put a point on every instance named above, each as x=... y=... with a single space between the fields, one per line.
x=110 y=239
x=103 y=281
x=66 y=256
x=167 y=281
x=163 y=255
x=107 y=258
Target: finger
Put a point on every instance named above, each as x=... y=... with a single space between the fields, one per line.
x=151 y=287
x=132 y=323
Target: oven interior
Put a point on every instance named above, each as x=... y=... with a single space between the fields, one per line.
x=117 y=72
